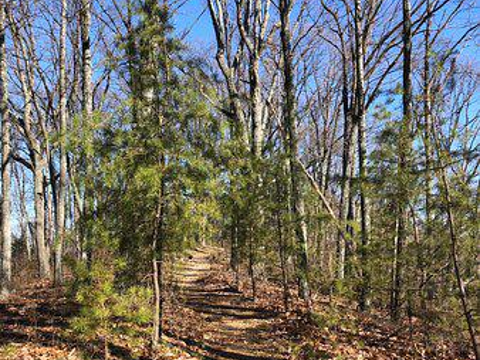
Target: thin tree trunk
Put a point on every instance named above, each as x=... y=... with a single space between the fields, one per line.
x=87 y=99
x=24 y=218
x=347 y=167
x=60 y=221
x=257 y=109
x=282 y=252
x=344 y=197
x=298 y=208
x=42 y=248
x=360 y=119
x=157 y=263
x=251 y=262
x=403 y=166
x=234 y=256
x=6 y=270
x=87 y=109
x=428 y=160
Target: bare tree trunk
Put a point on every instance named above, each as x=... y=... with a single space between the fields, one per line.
x=50 y=208
x=87 y=109
x=257 y=108
x=362 y=155
x=282 y=251
x=428 y=160
x=157 y=286
x=24 y=218
x=157 y=266
x=60 y=214
x=6 y=270
x=87 y=104
x=251 y=261
x=42 y=248
x=403 y=165
x=347 y=167
x=234 y=255
x=298 y=208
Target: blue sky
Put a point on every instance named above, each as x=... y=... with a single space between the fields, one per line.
x=194 y=17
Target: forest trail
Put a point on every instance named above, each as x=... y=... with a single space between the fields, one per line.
x=231 y=325
x=206 y=319
x=210 y=321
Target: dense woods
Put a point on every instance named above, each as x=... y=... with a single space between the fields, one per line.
x=325 y=152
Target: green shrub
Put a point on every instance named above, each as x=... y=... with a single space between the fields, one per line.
x=105 y=310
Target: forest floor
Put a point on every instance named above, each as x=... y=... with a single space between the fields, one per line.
x=205 y=318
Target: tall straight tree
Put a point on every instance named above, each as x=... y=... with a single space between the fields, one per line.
x=360 y=120
x=60 y=215
x=6 y=270
x=428 y=151
x=291 y=144
x=87 y=110
x=404 y=147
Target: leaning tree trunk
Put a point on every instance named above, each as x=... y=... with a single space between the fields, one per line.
x=462 y=291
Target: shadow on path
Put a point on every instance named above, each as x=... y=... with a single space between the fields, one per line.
x=233 y=327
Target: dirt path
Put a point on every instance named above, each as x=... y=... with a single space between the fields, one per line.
x=231 y=325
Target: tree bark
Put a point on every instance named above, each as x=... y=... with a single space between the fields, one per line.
x=42 y=248
x=289 y=117
x=60 y=214
x=360 y=119
x=428 y=160
x=6 y=270
x=403 y=165
x=347 y=170
x=87 y=109
x=157 y=266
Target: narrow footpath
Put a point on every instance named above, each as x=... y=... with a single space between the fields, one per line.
x=230 y=325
